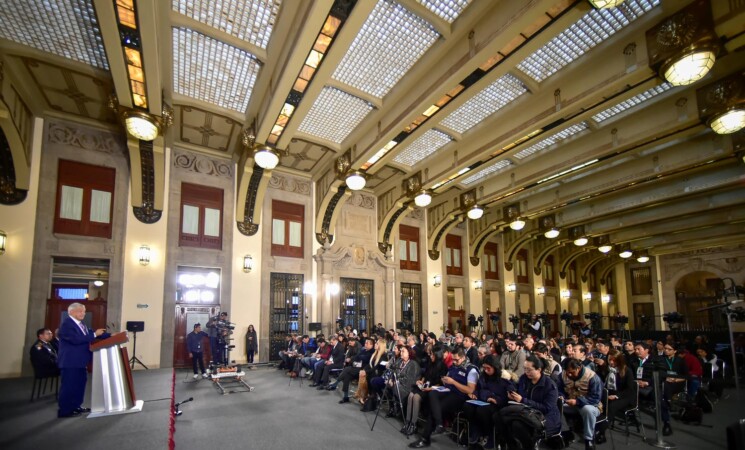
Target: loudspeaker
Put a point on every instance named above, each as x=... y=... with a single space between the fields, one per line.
x=136 y=326
x=400 y=325
x=314 y=326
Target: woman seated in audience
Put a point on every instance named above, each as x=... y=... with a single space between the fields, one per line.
x=620 y=385
x=371 y=370
x=376 y=384
x=708 y=358
x=417 y=398
x=492 y=389
x=400 y=386
x=536 y=391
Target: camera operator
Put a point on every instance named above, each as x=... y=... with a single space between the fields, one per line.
x=534 y=326
x=215 y=329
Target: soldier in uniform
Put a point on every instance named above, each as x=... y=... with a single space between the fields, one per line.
x=43 y=354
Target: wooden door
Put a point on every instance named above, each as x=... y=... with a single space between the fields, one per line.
x=490 y=329
x=95 y=313
x=186 y=317
x=457 y=320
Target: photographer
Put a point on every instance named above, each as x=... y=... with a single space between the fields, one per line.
x=194 y=345
x=215 y=329
x=534 y=326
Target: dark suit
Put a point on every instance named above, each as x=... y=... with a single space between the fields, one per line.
x=74 y=355
x=337 y=354
x=43 y=359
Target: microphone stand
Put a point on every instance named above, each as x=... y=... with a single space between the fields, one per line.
x=660 y=443
x=728 y=312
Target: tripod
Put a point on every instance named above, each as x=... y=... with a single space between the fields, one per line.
x=134 y=359
x=394 y=378
x=625 y=334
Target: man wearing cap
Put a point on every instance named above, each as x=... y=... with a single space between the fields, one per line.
x=194 y=345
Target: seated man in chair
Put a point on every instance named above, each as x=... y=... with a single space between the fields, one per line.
x=582 y=389
x=43 y=355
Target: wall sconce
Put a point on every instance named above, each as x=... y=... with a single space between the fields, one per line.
x=541 y=290
x=3 y=241
x=587 y=296
x=605 y=298
x=548 y=227
x=248 y=263
x=309 y=287
x=565 y=294
x=721 y=105
x=679 y=57
x=512 y=287
x=144 y=255
x=478 y=285
x=333 y=288
x=512 y=216
x=437 y=280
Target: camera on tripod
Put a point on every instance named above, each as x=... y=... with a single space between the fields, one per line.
x=494 y=318
x=673 y=319
x=566 y=316
x=543 y=317
x=472 y=322
x=514 y=319
x=621 y=320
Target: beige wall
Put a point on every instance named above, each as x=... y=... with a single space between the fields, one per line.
x=15 y=268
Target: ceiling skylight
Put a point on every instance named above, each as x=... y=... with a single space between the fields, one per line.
x=334 y=115
x=592 y=29
x=251 y=21
x=67 y=28
x=212 y=71
x=483 y=173
x=389 y=43
x=425 y=145
x=448 y=10
x=551 y=140
x=484 y=104
x=630 y=103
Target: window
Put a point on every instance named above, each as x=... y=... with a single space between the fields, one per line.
x=198 y=285
x=610 y=283
x=592 y=281
x=491 y=271
x=453 y=257
x=287 y=229
x=521 y=266
x=201 y=216
x=548 y=272
x=84 y=199
x=408 y=247
x=572 y=276
x=641 y=281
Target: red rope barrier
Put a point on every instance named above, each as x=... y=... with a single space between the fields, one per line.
x=172 y=426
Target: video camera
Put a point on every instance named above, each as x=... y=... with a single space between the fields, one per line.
x=472 y=321
x=621 y=319
x=673 y=318
x=494 y=317
x=567 y=316
x=514 y=319
x=543 y=317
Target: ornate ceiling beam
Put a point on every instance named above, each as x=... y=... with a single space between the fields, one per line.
x=16 y=126
x=252 y=184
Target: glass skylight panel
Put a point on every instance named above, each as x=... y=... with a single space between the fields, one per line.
x=592 y=29
x=496 y=167
x=425 y=145
x=391 y=40
x=551 y=140
x=448 y=10
x=251 y=21
x=212 y=71
x=631 y=102
x=334 y=115
x=68 y=28
x=485 y=103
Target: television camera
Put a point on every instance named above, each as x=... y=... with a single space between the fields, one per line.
x=673 y=319
x=566 y=317
x=472 y=322
x=620 y=320
x=594 y=319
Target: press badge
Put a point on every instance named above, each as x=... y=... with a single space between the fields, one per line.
x=640 y=372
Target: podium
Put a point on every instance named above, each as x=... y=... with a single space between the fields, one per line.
x=113 y=390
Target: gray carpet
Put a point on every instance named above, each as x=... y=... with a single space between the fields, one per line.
x=274 y=416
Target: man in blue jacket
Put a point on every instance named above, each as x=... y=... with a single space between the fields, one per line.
x=582 y=389
x=194 y=345
x=74 y=355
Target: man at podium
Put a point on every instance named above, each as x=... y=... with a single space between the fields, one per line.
x=74 y=355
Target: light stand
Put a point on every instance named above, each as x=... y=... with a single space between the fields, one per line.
x=394 y=377
x=134 y=359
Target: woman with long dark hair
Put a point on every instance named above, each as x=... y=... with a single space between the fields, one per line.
x=252 y=344
x=417 y=398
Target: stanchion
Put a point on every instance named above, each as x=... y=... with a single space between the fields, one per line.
x=659 y=443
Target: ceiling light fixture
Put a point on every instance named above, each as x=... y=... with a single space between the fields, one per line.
x=552 y=233
x=602 y=243
x=642 y=256
x=356 y=180
x=141 y=125
x=475 y=213
x=99 y=281
x=577 y=234
x=423 y=199
x=605 y=4
x=682 y=48
x=721 y=104
x=517 y=224
x=625 y=251
x=266 y=157
x=548 y=226
x=580 y=241
x=605 y=248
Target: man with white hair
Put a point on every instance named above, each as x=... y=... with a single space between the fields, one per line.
x=74 y=355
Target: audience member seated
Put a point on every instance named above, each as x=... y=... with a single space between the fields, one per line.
x=514 y=358
x=676 y=375
x=582 y=392
x=335 y=362
x=43 y=355
x=695 y=371
x=284 y=355
x=374 y=368
x=620 y=385
x=322 y=354
x=460 y=381
x=296 y=358
x=536 y=391
x=352 y=371
x=419 y=395
x=492 y=389
x=581 y=355
x=472 y=352
x=643 y=367
x=399 y=387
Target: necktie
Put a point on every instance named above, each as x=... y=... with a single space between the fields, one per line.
x=83 y=328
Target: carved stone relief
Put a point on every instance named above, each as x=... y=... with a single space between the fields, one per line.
x=84 y=138
x=289 y=184
x=202 y=164
x=361 y=200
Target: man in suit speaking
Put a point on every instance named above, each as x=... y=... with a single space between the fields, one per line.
x=74 y=355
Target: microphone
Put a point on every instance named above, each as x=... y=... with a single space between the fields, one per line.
x=185 y=401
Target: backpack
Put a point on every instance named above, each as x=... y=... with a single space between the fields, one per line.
x=527 y=424
x=692 y=414
x=716 y=387
x=703 y=402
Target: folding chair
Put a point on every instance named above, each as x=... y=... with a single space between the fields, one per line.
x=545 y=437
x=602 y=420
x=635 y=412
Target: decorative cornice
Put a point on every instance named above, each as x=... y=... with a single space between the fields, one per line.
x=58 y=133
x=202 y=164
x=289 y=184
x=362 y=200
